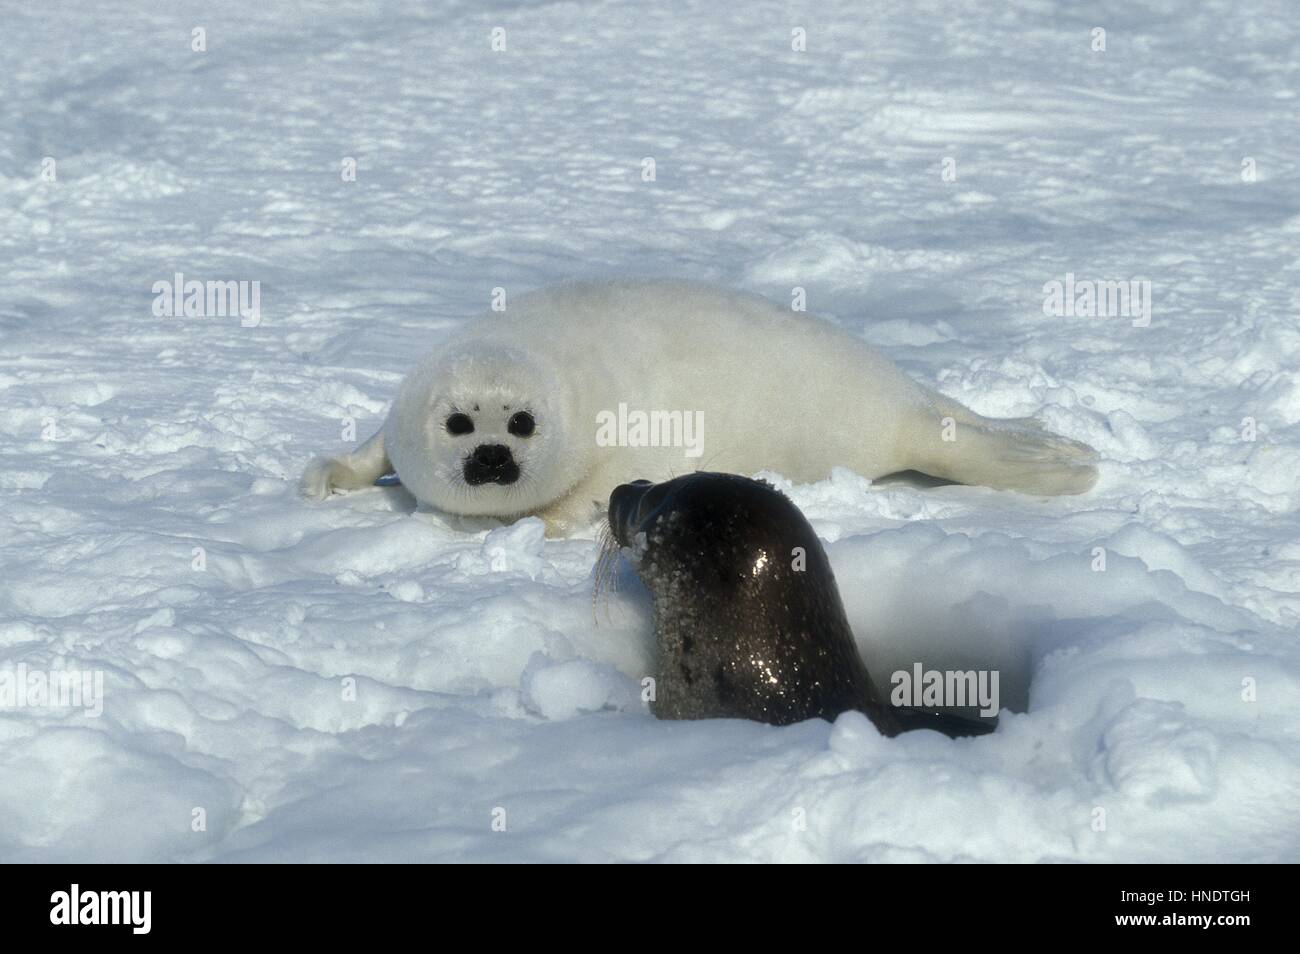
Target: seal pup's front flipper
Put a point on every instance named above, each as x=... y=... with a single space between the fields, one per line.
x=352 y=471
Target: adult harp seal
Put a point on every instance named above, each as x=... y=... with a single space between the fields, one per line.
x=747 y=616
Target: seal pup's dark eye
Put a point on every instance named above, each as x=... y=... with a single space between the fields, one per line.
x=460 y=424
x=521 y=424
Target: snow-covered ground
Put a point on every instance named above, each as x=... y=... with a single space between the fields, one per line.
x=358 y=680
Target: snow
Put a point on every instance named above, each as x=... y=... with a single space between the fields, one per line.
x=357 y=680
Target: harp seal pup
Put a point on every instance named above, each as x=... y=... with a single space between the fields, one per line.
x=511 y=416
x=748 y=619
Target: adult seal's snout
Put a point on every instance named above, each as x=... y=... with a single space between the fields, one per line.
x=747 y=615
x=626 y=509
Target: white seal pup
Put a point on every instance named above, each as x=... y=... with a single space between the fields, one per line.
x=578 y=388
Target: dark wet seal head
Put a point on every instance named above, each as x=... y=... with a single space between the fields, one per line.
x=725 y=532
x=747 y=615
x=636 y=507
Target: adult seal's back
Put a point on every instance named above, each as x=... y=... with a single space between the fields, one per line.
x=747 y=616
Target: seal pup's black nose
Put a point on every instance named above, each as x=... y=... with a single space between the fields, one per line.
x=492 y=455
x=491 y=464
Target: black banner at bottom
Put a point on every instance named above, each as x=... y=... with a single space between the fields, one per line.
x=334 y=903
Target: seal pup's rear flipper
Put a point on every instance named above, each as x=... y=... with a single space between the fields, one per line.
x=352 y=471
x=1015 y=454
x=951 y=724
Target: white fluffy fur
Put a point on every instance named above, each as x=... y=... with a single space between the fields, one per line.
x=778 y=390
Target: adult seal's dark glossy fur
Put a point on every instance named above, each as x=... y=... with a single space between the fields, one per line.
x=747 y=615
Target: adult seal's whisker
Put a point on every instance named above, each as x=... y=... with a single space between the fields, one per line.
x=606 y=571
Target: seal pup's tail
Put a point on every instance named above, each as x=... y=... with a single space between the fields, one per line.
x=352 y=471
x=1013 y=454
